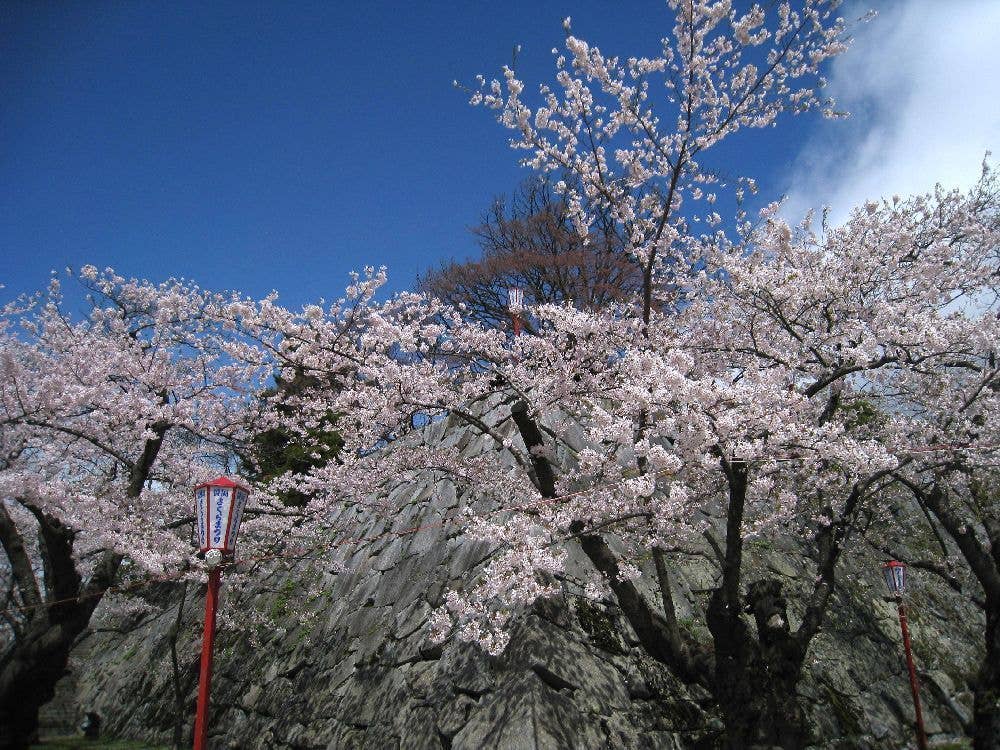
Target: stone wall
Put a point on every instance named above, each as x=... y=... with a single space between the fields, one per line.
x=62 y=715
x=361 y=673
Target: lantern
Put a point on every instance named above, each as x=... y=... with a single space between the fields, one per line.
x=515 y=299
x=895 y=577
x=515 y=303
x=219 y=505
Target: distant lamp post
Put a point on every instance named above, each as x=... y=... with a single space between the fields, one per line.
x=515 y=303
x=219 y=506
x=895 y=578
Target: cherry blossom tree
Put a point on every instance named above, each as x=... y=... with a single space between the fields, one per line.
x=106 y=422
x=772 y=383
x=632 y=135
x=886 y=327
x=806 y=374
x=722 y=71
x=929 y=366
x=751 y=408
x=617 y=393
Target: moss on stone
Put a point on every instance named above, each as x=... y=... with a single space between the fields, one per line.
x=846 y=713
x=279 y=606
x=600 y=626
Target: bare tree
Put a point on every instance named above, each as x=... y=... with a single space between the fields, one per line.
x=529 y=241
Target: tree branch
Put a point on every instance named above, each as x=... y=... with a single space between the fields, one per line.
x=20 y=563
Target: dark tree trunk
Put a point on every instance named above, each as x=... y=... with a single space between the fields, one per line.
x=781 y=657
x=30 y=670
x=734 y=666
x=983 y=557
x=180 y=715
x=756 y=677
x=29 y=677
x=986 y=688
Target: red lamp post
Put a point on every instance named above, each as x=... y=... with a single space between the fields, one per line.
x=219 y=505
x=895 y=578
x=515 y=303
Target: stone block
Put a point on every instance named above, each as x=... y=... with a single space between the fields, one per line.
x=562 y=662
x=528 y=715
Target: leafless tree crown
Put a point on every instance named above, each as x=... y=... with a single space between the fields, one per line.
x=529 y=242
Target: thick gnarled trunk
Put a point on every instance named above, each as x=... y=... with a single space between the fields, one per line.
x=37 y=659
x=29 y=677
x=30 y=670
x=756 y=676
x=734 y=666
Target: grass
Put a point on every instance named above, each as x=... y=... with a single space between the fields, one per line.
x=80 y=743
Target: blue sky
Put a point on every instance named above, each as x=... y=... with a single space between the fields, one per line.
x=279 y=145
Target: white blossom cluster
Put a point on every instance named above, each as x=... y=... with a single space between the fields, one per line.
x=782 y=382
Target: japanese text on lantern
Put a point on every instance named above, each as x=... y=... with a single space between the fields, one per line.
x=202 y=529
x=234 y=527
x=219 y=497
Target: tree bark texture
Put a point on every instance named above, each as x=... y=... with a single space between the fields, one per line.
x=983 y=557
x=756 y=677
x=986 y=687
x=30 y=671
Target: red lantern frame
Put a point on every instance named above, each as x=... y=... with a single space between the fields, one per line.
x=894 y=573
x=895 y=577
x=219 y=506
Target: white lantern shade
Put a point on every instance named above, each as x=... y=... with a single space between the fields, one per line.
x=895 y=577
x=219 y=505
x=515 y=299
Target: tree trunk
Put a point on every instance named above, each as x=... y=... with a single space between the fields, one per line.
x=180 y=715
x=986 y=689
x=781 y=657
x=756 y=678
x=29 y=677
x=734 y=665
x=30 y=670
x=984 y=561
x=657 y=634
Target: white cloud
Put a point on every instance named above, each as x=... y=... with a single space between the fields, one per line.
x=922 y=82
